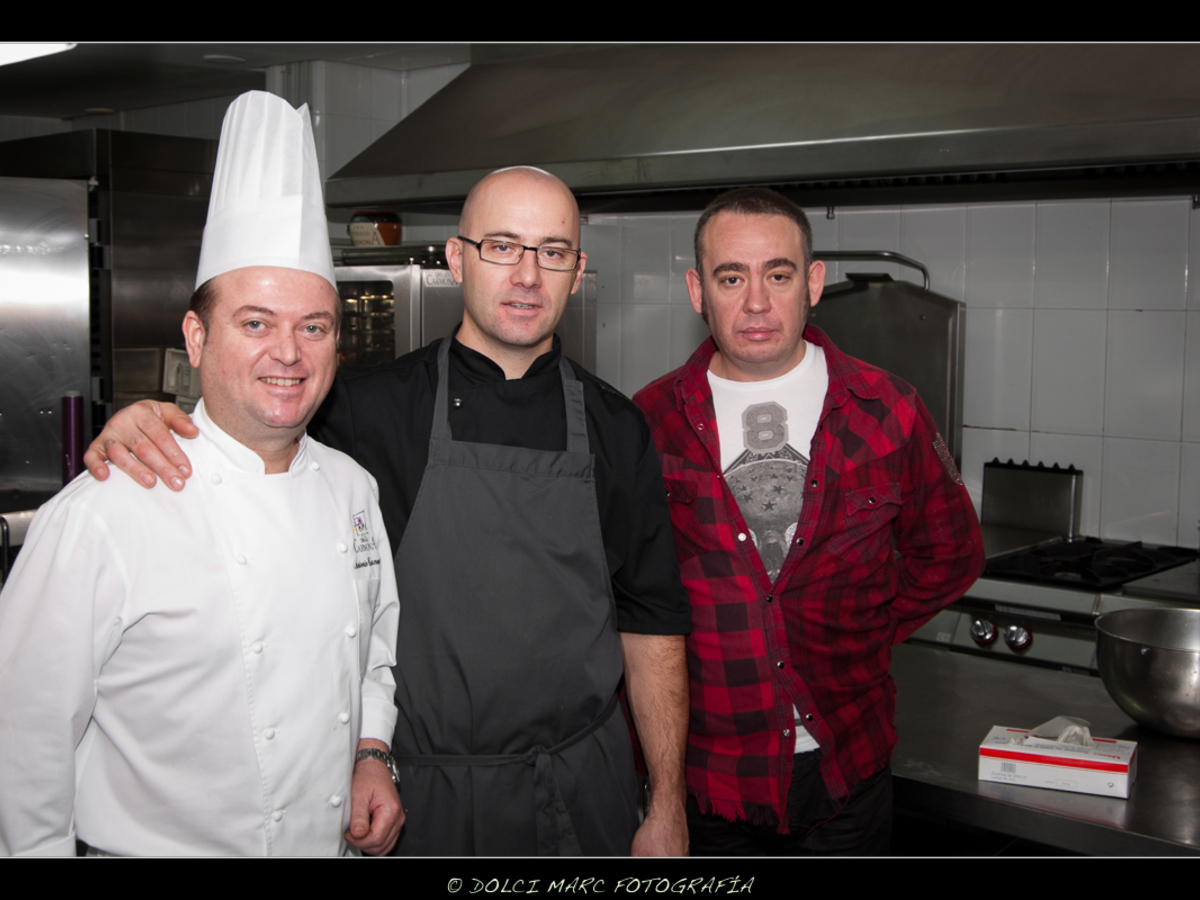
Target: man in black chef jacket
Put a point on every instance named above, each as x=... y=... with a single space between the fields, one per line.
x=534 y=556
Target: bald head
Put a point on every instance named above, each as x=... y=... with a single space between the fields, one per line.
x=510 y=311
x=509 y=182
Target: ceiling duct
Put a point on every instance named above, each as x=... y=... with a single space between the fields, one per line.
x=629 y=122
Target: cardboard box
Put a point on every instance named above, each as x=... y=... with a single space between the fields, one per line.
x=1013 y=756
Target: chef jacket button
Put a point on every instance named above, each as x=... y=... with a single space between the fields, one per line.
x=269 y=734
x=741 y=535
x=344 y=718
x=342 y=548
x=277 y=815
x=335 y=800
x=241 y=560
x=216 y=479
x=351 y=631
x=314 y=465
x=256 y=646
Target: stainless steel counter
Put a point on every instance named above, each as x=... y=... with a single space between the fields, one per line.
x=947 y=701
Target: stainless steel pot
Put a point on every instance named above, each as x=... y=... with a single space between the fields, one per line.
x=1149 y=660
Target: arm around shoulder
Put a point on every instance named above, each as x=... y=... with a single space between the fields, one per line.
x=138 y=441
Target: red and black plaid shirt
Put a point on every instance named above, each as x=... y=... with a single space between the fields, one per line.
x=887 y=536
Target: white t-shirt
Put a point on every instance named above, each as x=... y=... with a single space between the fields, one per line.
x=765 y=429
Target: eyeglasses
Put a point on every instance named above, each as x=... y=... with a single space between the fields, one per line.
x=507 y=253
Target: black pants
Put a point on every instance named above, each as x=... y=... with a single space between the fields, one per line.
x=860 y=825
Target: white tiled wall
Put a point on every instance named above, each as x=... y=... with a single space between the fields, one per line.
x=1083 y=334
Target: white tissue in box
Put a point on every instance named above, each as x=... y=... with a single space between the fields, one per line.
x=1109 y=767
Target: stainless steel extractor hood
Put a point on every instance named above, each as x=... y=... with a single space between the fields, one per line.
x=642 y=119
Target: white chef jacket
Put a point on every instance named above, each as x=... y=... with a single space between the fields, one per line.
x=191 y=673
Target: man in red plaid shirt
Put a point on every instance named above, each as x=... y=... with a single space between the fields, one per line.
x=819 y=519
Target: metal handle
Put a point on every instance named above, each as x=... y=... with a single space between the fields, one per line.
x=869 y=255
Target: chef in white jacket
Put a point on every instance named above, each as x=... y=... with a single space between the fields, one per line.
x=210 y=672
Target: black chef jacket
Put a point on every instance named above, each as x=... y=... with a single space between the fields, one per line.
x=382 y=417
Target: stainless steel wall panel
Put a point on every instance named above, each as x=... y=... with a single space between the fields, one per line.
x=44 y=337
x=160 y=152
x=148 y=200
x=67 y=155
x=441 y=304
x=915 y=334
x=153 y=181
x=155 y=248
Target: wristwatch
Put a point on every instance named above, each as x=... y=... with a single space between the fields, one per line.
x=385 y=758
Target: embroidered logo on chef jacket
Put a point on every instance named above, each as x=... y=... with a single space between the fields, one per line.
x=364 y=542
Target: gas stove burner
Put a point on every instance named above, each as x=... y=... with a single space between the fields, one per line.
x=1089 y=562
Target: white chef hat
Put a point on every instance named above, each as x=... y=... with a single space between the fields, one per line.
x=266 y=207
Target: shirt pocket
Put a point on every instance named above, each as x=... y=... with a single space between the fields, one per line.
x=685 y=521
x=866 y=533
x=694 y=494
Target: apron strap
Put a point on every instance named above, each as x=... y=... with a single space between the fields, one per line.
x=555 y=833
x=577 y=436
x=441 y=401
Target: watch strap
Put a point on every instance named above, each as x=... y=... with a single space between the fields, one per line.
x=385 y=758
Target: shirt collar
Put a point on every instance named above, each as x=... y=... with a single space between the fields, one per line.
x=692 y=383
x=235 y=454
x=479 y=369
x=845 y=375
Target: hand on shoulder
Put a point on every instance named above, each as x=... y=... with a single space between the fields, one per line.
x=138 y=441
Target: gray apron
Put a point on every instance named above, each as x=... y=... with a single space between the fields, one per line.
x=508 y=657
